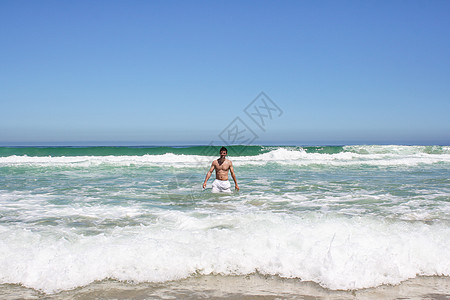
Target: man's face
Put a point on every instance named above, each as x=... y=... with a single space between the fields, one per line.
x=223 y=153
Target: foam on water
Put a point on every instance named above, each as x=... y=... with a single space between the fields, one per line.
x=397 y=149
x=355 y=155
x=338 y=253
x=346 y=217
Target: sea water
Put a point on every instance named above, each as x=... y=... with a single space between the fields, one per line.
x=347 y=218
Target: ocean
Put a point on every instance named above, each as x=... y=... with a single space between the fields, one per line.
x=135 y=222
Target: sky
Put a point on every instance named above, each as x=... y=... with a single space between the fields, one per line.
x=181 y=72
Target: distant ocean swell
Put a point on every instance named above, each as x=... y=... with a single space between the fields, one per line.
x=347 y=217
x=209 y=150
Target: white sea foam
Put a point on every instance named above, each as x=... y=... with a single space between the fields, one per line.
x=355 y=155
x=397 y=149
x=68 y=221
x=88 y=161
x=338 y=253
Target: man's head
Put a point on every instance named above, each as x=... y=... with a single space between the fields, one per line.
x=223 y=152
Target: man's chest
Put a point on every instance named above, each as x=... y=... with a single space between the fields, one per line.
x=223 y=167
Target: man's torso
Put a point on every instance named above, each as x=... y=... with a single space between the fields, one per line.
x=222 y=169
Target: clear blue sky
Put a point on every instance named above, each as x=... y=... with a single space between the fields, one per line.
x=180 y=71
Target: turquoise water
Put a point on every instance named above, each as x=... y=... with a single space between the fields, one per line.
x=234 y=150
x=346 y=217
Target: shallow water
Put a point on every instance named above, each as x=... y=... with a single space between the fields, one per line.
x=252 y=286
x=344 y=218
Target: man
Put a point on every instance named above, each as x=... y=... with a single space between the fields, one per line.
x=222 y=166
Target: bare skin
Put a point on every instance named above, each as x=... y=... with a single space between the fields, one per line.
x=222 y=166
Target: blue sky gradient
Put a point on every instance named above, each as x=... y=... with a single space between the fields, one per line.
x=178 y=72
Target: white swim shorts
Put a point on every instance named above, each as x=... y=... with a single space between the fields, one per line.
x=221 y=186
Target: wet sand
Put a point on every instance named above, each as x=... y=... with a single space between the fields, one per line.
x=237 y=287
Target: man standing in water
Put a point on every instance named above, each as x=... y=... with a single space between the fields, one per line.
x=222 y=166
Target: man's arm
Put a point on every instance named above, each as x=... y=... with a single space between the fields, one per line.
x=233 y=176
x=208 y=175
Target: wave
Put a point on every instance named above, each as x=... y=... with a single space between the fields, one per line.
x=338 y=253
x=396 y=149
x=234 y=150
x=352 y=155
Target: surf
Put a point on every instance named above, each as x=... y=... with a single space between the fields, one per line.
x=348 y=155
